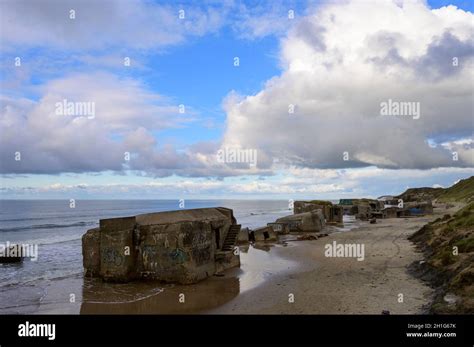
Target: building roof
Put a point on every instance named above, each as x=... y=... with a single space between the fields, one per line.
x=299 y=216
x=197 y=214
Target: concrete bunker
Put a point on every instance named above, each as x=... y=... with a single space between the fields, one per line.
x=312 y=221
x=333 y=214
x=264 y=234
x=182 y=246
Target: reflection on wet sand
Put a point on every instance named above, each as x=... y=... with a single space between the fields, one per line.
x=158 y=298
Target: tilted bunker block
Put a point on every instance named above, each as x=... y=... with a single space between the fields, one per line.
x=117 y=251
x=307 y=221
x=279 y=228
x=265 y=234
x=91 y=252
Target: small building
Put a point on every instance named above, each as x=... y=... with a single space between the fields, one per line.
x=348 y=206
x=346 y=202
x=388 y=201
x=312 y=221
x=182 y=246
x=362 y=208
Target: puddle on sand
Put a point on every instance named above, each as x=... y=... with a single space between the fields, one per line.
x=257 y=263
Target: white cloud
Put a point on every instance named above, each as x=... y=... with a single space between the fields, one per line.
x=322 y=184
x=337 y=78
x=102 y=24
x=125 y=115
x=127 y=120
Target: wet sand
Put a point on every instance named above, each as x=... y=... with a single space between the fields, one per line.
x=93 y=296
x=269 y=275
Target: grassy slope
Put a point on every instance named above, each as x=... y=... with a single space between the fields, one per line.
x=419 y=194
x=452 y=273
x=463 y=191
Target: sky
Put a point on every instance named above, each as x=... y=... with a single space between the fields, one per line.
x=234 y=99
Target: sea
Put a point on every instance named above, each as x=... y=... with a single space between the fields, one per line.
x=56 y=227
x=54 y=282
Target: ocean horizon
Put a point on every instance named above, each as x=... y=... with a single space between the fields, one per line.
x=57 y=229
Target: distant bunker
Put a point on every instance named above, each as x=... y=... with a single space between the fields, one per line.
x=333 y=214
x=385 y=207
x=312 y=221
x=183 y=246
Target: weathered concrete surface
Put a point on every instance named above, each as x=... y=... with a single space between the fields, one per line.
x=332 y=213
x=197 y=214
x=179 y=252
x=227 y=260
x=91 y=252
x=117 y=256
x=176 y=246
x=390 y=212
x=243 y=236
x=363 y=211
x=309 y=221
x=117 y=224
x=265 y=234
x=279 y=228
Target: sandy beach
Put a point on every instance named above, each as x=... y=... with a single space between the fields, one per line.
x=323 y=285
x=289 y=277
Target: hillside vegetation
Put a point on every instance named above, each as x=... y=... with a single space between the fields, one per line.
x=448 y=243
x=420 y=194
x=463 y=191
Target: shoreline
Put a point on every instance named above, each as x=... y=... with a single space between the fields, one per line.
x=324 y=285
x=344 y=285
x=270 y=272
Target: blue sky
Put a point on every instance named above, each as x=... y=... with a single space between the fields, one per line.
x=313 y=61
x=201 y=74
